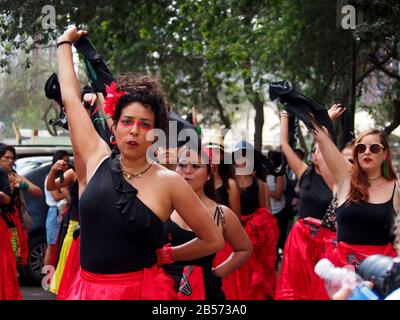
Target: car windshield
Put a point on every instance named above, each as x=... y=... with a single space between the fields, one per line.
x=25 y=165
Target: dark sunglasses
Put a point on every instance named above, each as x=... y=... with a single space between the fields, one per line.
x=374 y=148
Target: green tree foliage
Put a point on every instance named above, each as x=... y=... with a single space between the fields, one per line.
x=214 y=54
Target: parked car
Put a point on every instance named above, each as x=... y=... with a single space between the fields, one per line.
x=34 y=162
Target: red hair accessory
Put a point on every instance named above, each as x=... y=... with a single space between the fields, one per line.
x=209 y=152
x=112 y=98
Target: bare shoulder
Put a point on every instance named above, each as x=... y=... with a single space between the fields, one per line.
x=228 y=213
x=232 y=183
x=168 y=177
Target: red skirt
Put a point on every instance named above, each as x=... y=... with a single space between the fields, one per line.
x=147 y=284
x=71 y=269
x=256 y=279
x=350 y=256
x=306 y=244
x=9 y=288
x=78 y=284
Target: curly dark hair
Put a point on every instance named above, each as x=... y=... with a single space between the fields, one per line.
x=147 y=90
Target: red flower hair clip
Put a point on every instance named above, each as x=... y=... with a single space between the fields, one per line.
x=112 y=98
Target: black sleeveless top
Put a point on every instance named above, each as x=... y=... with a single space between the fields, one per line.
x=74 y=206
x=176 y=236
x=249 y=198
x=366 y=223
x=223 y=196
x=315 y=195
x=119 y=233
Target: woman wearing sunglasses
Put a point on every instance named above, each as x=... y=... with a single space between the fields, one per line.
x=368 y=199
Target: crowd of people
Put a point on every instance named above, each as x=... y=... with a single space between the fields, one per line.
x=184 y=223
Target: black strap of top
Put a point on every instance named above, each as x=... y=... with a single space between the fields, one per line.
x=219 y=217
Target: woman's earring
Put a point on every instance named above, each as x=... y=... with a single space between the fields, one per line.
x=385 y=169
x=113 y=141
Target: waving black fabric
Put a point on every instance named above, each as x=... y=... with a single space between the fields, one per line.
x=97 y=70
x=299 y=105
x=347 y=130
x=181 y=125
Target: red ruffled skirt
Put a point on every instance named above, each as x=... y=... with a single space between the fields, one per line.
x=71 y=269
x=78 y=284
x=147 y=284
x=9 y=288
x=23 y=239
x=306 y=244
x=256 y=279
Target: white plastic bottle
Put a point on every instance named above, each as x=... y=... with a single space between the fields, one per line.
x=335 y=278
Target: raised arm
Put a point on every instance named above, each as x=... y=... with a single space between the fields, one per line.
x=336 y=111
x=54 y=183
x=209 y=239
x=396 y=200
x=294 y=162
x=238 y=240
x=338 y=166
x=86 y=142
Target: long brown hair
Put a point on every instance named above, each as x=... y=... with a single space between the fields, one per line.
x=359 y=183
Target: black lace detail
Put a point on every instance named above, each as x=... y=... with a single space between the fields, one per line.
x=329 y=220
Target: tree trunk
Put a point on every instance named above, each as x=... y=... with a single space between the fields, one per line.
x=258 y=122
x=396 y=119
x=353 y=85
x=258 y=103
x=17 y=132
x=215 y=100
x=50 y=129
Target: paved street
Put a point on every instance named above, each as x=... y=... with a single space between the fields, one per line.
x=36 y=293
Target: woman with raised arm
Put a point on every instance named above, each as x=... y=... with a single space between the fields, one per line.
x=196 y=169
x=121 y=215
x=368 y=199
x=302 y=248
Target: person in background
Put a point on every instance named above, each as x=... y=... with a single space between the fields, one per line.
x=255 y=280
x=54 y=216
x=16 y=211
x=9 y=288
x=225 y=184
x=368 y=200
x=197 y=171
x=277 y=186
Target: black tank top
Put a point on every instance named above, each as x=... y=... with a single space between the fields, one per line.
x=119 y=233
x=249 y=198
x=366 y=223
x=74 y=207
x=223 y=196
x=315 y=195
x=176 y=236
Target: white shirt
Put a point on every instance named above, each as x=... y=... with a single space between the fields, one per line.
x=49 y=198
